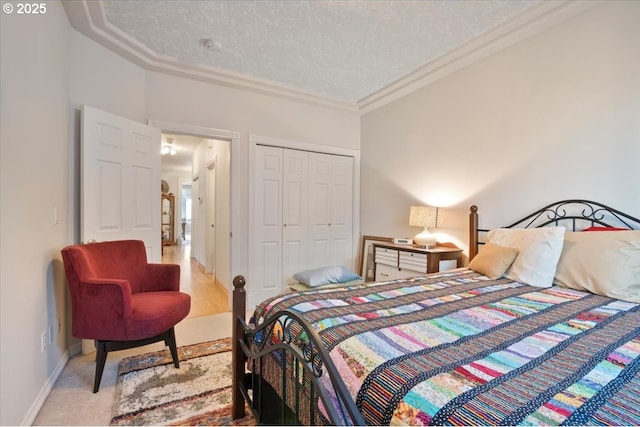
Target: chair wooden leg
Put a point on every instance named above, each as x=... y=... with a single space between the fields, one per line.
x=101 y=358
x=172 y=347
x=104 y=347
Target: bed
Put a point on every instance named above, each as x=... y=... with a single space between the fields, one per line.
x=472 y=346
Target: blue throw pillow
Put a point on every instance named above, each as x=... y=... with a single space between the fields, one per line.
x=325 y=275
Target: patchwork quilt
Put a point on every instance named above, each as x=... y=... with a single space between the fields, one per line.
x=457 y=348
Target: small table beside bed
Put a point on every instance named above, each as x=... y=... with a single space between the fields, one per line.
x=541 y=328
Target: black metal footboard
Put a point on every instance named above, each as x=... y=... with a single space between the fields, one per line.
x=289 y=377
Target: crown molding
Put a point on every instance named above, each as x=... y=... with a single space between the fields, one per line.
x=88 y=17
x=531 y=22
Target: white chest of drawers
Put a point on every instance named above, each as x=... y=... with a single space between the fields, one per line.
x=403 y=261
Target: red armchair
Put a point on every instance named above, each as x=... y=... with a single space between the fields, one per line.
x=121 y=301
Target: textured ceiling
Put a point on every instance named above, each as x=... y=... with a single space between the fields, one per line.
x=345 y=50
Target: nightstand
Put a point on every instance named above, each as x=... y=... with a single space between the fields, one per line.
x=401 y=261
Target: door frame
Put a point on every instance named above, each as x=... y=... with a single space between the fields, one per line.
x=211 y=133
x=211 y=214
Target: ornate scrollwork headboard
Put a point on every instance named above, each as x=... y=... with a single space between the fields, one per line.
x=574 y=214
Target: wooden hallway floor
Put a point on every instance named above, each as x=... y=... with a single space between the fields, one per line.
x=207 y=296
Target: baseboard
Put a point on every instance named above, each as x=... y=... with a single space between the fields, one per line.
x=75 y=349
x=46 y=389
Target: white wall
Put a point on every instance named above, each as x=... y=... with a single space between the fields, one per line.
x=198 y=192
x=208 y=151
x=221 y=152
x=553 y=117
x=104 y=80
x=34 y=76
x=48 y=72
x=175 y=99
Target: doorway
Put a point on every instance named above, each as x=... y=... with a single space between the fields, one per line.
x=195 y=180
x=205 y=207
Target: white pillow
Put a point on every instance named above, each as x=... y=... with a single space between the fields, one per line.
x=604 y=262
x=539 y=251
x=325 y=275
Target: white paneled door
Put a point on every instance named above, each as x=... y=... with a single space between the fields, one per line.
x=303 y=215
x=342 y=211
x=267 y=271
x=320 y=209
x=120 y=180
x=295 y=206
x=330 y=209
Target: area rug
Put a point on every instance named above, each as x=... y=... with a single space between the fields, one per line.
x=151 y=391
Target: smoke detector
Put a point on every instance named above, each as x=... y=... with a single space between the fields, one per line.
x=210 y=44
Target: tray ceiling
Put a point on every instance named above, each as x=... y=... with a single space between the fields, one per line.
x=344 y=53
x=340 y=49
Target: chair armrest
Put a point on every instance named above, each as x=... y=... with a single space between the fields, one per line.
x=162 y=277
x=114 y=295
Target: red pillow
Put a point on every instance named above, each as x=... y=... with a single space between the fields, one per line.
x=604 y=229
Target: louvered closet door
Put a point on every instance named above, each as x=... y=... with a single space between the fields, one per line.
x=267 y=277
x=295 y=213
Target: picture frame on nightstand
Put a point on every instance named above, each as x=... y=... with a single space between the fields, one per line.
x=366 y=260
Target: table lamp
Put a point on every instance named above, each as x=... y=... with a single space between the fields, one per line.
x=424 y=216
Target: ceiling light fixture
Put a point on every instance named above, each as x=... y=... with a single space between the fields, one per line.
x=168 y=148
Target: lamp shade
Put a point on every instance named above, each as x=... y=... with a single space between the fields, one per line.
x=423 y=216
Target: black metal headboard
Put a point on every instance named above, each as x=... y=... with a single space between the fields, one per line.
x=574 y=214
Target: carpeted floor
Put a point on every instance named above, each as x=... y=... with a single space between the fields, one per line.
x=71 y=401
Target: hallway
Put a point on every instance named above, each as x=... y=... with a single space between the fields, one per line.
x=207 y=297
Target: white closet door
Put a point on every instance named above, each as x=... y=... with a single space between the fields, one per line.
x=342 y=210
x=331 y=209
x=303 y=215
x=295 y=213
x=320 y=212
x=267 y=277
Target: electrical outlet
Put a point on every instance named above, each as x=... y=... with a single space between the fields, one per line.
x=43 y=341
